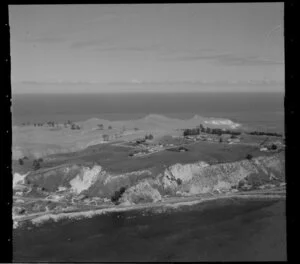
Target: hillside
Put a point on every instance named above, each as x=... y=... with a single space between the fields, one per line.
x=41 y=141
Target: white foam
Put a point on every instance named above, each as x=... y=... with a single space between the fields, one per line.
x=76 y=215
x=187 y=203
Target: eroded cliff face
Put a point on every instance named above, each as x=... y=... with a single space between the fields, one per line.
x=85 y=179
x=53 y=178
x=202 y=178
x=79 y=179
x=19 y=179
x=178 y=179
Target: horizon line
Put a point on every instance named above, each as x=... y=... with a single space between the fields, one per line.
x=146 y=92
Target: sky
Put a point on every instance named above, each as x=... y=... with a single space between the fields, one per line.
x=97 y=47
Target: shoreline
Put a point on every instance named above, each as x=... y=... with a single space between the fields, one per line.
x=171 y=202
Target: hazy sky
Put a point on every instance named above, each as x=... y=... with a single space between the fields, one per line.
x=169 y=43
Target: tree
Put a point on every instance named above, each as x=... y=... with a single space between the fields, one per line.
x=150 y=137
x=36 y=165
x=21 y=162
x=221 y=140
x=105 y=137
x=100 y=126
x=75 y=127
x=109 y=127
x=202 y=128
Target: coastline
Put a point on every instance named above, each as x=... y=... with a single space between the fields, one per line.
x=171 y=202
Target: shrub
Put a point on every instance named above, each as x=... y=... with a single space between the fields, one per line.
x=249 y=156
x=241 y=184
x=21 y=162
x=109 y=127
x=73 y=127
x=273 y=147
x=40 y=160
x=182 y=149
x=117 y=195
x=179 y=181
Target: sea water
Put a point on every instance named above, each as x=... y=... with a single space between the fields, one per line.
x=221 y=230
x=263 y=111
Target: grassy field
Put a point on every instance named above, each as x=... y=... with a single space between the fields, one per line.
x=115 y=159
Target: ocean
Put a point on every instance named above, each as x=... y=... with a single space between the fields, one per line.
x=263 y=111
x=220 y=230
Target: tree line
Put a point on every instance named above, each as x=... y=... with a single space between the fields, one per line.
x=260 y=133
x=219 y=131
x=208 y=130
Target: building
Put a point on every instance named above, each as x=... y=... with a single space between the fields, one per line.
x=234 y=140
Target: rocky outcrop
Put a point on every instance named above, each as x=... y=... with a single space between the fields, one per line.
x=145 y=186
x=143 y=192
x=180 y=174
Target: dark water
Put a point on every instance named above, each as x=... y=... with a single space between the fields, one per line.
x=221 y=230
x=260 y=110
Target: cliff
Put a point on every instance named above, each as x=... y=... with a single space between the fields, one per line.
x=149 y=186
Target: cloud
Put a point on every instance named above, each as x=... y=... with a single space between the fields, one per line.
x=45 y=40
x=225 y=59
x=55 y=82
x=153 y=82
x=247 y=61
x=128 y=48
x=110 y=45
x=89 y=43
